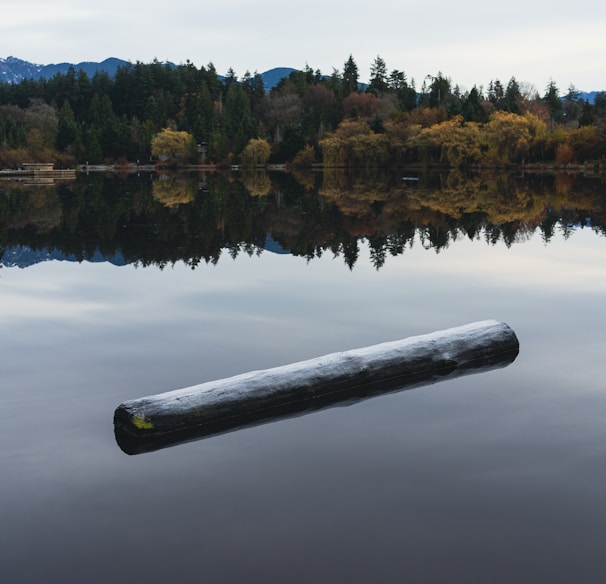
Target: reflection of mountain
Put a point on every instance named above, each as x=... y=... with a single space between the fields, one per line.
x=274 y=247
x=148 y=221
x=23 y=257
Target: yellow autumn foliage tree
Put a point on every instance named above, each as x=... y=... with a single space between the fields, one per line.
x=334 y=151
x=587 y=143
x=369 y=150
x=354 y=144
x=255 y=153
x=174 y=146
x=509 y=138
x=452 y=142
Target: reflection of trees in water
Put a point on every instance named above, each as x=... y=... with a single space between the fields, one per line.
x=173 y=192
x=196 y=219
x=257 y=182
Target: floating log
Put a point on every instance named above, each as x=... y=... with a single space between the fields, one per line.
x=342 y=378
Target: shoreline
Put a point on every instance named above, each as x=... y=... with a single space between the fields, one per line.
x=588 y=169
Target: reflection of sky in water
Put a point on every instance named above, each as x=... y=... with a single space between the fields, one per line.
x=497 y=476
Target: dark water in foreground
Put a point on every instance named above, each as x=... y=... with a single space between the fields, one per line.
x=495 y=477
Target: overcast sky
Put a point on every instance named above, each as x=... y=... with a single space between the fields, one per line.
x=469 y=41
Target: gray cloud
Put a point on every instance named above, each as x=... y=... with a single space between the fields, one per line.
x=472 y=44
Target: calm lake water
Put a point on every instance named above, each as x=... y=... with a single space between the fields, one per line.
x=495 y=477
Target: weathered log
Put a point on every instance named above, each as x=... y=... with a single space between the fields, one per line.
x=342 y=378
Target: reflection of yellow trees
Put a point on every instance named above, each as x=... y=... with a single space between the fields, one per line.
x=455 y=204
x=563 y=184
x=438 y=209
x=499 y=199
x=334 y=180
x=355 y=203
x=257 y=183
x=305 y=177
x=172 y=192
x=354 y=197
x=337 y=182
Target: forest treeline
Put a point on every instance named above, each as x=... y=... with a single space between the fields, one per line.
x=197 y=219
x=187 y=115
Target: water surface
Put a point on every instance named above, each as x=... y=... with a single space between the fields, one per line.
x=495 y=477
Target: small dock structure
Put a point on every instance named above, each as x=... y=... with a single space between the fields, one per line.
x=39 y=170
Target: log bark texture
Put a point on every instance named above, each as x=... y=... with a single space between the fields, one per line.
x=341 y=378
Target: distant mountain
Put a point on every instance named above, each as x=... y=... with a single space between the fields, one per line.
x=272 y=77
x=13 y=70
x=110 y=66
x=588 y=96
